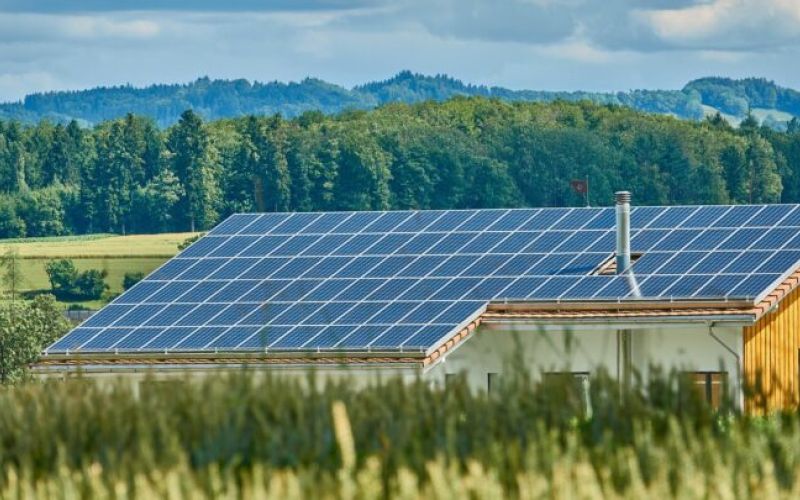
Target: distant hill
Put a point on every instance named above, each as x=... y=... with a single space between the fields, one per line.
x=215 y=99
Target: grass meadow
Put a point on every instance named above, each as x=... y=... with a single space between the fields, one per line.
x=248 y=435
x=115 y=254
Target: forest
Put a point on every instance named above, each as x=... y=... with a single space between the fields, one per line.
x=128 y=175
x=217 y=99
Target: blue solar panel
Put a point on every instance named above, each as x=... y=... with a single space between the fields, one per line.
x=390 y=289
x=234 y=224
x=357 y=222
x=265 y=223
x=295 y=245
x=544 y=219
x=348 y=338
x=294 y=224
x=646 y=239
x=481 y=220
x=140 y=292
x=232 y=269
x=74 y=339
x=403 y=280
x=754 y=285
x=200 y=337
x=169 y=292
x=138 y=338
x=172 y=269
x=297 y=337
x=419 y=221
x=233 y=337
x=168 y=338
x=265 y=245
x=554 y=287
x=170 y=314
x=204 y=246
x=261 y=338
x=232 y=247
x=333 y=335
x=327 y=222
x=106 y=339
x=577 y=218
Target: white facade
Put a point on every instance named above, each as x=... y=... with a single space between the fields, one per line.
x=700 y=346
x=583 y=348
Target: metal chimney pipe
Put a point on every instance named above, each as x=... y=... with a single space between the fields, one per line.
x=623 y=209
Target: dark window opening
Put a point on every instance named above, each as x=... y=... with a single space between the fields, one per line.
x=711 y=386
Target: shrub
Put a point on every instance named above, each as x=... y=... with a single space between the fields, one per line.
x=91 y=284
x=25 y=329
x=131 y=279
x=67 y=283
x=62 y=274
x=188 y=241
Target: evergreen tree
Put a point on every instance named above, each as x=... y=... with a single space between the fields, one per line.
x=193 y=160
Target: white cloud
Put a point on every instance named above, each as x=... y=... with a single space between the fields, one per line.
x=536 y=44
x=43 y=27
x=727 y=24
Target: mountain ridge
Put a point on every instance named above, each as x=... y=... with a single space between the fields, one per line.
x=220 y=98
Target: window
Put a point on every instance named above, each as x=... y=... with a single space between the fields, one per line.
x=492 y=381
x=450 y=379
x=711 y=386
x=576 y=383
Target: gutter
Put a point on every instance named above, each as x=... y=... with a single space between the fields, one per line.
x=737 y=357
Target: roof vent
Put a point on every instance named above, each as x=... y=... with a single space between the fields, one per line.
x=623 y=252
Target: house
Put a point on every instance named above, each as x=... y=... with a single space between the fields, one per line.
x=710 y=290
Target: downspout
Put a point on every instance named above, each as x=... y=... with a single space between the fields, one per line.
x=737 y=357
x=623 y=261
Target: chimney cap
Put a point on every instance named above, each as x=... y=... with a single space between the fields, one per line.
x=622 y=197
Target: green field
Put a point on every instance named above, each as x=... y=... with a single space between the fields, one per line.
x=250 y=436
x=115 y=254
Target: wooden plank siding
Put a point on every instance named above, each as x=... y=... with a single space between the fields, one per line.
x=771 y=351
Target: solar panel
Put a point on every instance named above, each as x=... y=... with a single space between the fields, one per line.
x=404 y=280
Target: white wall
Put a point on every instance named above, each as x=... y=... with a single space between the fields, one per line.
x=583 y=349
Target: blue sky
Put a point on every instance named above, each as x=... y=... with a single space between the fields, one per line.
x=534 y=44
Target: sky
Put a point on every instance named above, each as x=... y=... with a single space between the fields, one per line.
x=601 y=45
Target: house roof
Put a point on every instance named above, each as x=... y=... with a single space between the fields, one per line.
x=412 y=281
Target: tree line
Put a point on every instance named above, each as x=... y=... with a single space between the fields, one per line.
x=129 y=176
x=217 y=99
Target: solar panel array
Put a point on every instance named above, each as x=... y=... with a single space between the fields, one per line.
x=405 y=280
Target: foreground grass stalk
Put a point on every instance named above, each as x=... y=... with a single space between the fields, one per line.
x=254 y=436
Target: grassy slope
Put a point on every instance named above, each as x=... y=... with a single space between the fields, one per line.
x=116 y=254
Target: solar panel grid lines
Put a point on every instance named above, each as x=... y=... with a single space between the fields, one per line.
x=551 y=225
x=343 y=340
x=352 y=214
x=752 y=244
x=396 y=280
x=715 y=277
x=488 y=228
x=578 y=255
x=291 y=330
x=545 y=283
x=197 y=307
x=178 y=320
x=421 y=303
x=311 y=340
x=787 y=272
x=197 y=328
x=753 y=215
x=678 y=252
x=641 y=229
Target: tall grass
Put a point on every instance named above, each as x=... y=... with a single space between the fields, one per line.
x=261 y=436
